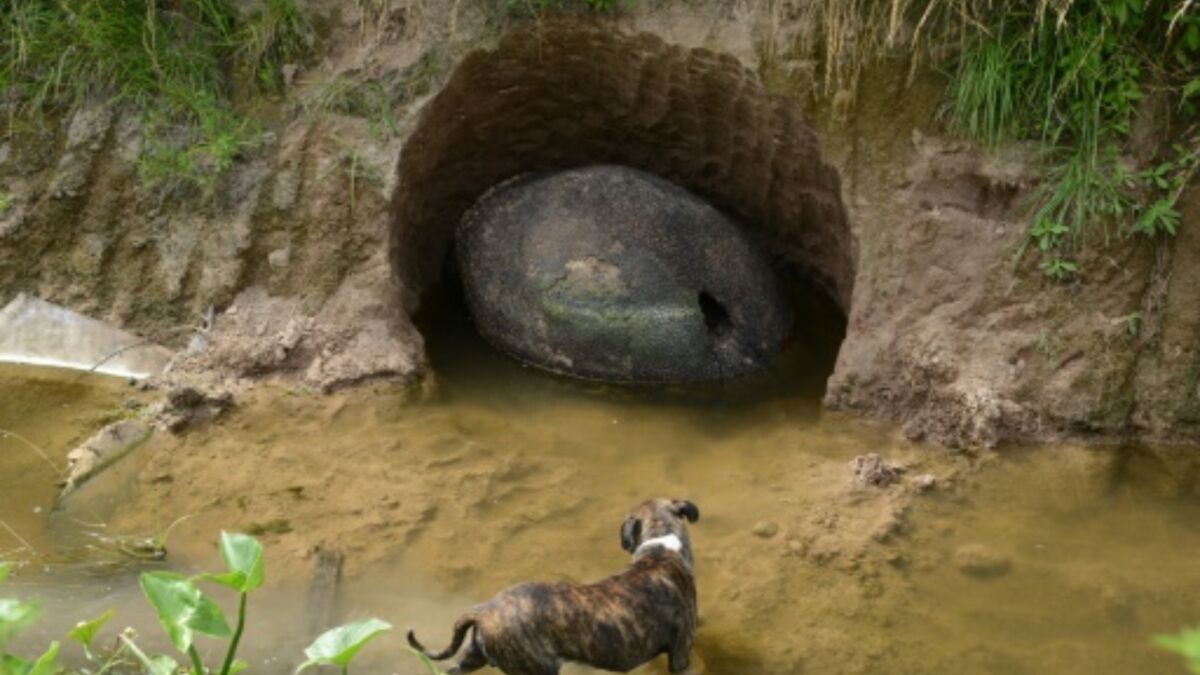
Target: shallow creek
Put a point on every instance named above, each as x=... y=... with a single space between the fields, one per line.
x=502 y=475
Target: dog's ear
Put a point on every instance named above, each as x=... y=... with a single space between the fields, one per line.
x=631 y=529
x=685 y=509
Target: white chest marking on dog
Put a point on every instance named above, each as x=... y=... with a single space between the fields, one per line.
x=670 y=542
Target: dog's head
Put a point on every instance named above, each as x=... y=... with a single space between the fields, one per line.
x=655 y=522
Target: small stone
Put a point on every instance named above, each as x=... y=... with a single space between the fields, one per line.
x=765 y=529
x=872 y=470
x=279 y=258
x=981 y=561
x=925 y=482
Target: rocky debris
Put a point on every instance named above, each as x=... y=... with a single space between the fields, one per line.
x=279 y=258
x=765 y=529
x=611 y=273
x=871 y=470
x=108 y=445
x=357 y=335
x=186 y=406
x=85 y=136
x=981 y=561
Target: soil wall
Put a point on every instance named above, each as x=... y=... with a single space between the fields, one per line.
x=316 y=249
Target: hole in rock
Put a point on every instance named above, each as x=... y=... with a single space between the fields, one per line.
x=716 y=318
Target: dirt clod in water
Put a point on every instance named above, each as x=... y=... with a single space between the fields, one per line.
x=981 y=561
x=765 y=529
x=185 y=406
x=872 y=470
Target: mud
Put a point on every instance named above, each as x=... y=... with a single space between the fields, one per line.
x=1031 y=561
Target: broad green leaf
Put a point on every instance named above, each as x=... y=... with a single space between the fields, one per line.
x=182 y=608
x=244 y=557
x=1186 y=643
x=84 y=632
x=15 y=617
x=47 y=663
x=237 y=667
x=337 y=647
x=11 y=665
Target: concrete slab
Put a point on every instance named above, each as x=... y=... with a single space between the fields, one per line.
x=37 y=332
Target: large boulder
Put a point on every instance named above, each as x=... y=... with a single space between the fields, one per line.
x=610 y=273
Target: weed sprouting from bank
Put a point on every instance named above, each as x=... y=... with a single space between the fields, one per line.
x=179 y=64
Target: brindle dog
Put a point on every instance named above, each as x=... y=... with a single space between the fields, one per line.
x=615 y=624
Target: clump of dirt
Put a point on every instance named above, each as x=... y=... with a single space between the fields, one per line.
x=185 y=406
x=871 y=470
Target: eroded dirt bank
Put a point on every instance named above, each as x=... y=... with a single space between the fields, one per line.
x=287 y=272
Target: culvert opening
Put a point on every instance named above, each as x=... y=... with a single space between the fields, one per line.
x=567 y=95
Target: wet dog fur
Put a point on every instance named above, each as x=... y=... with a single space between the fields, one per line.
x=615 y=624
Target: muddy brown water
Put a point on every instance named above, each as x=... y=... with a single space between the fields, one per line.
x=504 y=475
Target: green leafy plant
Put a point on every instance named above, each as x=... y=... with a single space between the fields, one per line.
x=1059 y=269
x=1186 y=643
x=85 y=632
x=6 y=202
x=184 y=610
x=1132 y=323
x=338 y=646
x=15 y=617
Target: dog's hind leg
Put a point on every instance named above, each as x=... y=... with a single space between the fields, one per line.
x=679 y=656
x=473 y=659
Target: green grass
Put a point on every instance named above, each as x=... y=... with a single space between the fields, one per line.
x=378 y=98
x=6 y=202
x=1068 y=74
x=1074 y=81
x=179 y=63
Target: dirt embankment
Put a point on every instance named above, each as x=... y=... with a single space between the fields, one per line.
x=287 y=270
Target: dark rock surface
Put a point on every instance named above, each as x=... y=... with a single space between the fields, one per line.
x=610 y=273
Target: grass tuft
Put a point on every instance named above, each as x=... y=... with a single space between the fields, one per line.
x=177 y=62
x=1071 y=75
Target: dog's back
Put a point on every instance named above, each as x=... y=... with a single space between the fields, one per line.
x=616 y=624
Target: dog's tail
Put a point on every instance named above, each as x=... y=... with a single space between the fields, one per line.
x=461 y=627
